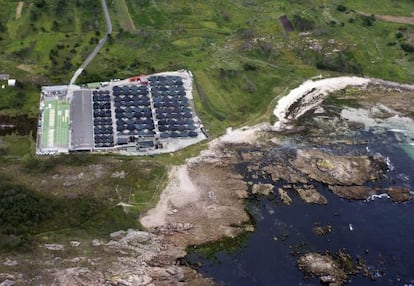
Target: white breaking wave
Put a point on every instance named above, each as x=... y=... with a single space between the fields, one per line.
x=389 y=164
x=379 y=196
x=311 y=94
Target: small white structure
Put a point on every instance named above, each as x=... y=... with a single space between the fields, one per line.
x=11 y=82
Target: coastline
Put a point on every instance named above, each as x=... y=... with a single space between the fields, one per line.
x=204 y=199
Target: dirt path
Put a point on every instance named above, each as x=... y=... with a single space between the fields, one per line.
x=393 y=19
x=131 y=22
x=19 y=9
x=396 y=19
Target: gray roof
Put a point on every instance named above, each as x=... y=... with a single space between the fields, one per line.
x=81 y=120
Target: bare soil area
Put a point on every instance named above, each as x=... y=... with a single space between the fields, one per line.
x=19 y=9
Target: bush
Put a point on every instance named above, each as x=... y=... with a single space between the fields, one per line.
x=399 y=35
x=407 y=47
x=341 y=8
x=20 y=209
x=341 y=62
x=368 y=20
x=302 y=24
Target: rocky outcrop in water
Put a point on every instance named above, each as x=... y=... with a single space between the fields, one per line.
x=284 y=196
x=263 y=189
x=310 y=195
x=324 y=267
x=338 y=170
x=353 y=192
x=397 y=194
x=345 y=175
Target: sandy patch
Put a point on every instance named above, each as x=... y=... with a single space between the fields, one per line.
x=244 y=135
x=19 y=9
x=179 y=192
x=25 y=68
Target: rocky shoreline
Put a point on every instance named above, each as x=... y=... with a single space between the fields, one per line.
x=204 y=201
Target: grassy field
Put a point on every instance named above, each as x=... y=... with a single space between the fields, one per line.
x=241 y=58
x=55 y=126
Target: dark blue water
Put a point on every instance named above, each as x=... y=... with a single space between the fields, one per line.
x=382 y=234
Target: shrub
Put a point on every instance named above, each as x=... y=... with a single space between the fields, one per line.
x=303 y=24
x=368 y=20
x=341 y=62
x=407 y=47
x=399 y=35
x=341 y=8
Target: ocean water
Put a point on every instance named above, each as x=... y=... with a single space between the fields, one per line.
x=379 y=231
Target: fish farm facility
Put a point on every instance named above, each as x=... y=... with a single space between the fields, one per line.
x=140 y=115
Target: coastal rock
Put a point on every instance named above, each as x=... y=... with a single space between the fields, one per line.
x=311 y=195
x=252 y=156
x=74 y=243
x=10 y=262
x=322 y=230
x=286 y=199
x=78 y=276
x=324 y=267
x=118 y=234
x=399 y=194
x=263 y=189
x=353 y=192
x=54 y=247
x=338 y=170
x=96 y=242
x=7 y=282
x=137 y=236
x=132 y=280
x=285 y=172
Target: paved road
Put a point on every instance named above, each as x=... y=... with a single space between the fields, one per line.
x=98 y=47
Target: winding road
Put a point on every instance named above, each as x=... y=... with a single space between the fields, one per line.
x=98 y=47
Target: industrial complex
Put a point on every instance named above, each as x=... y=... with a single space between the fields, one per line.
x=140 y=115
